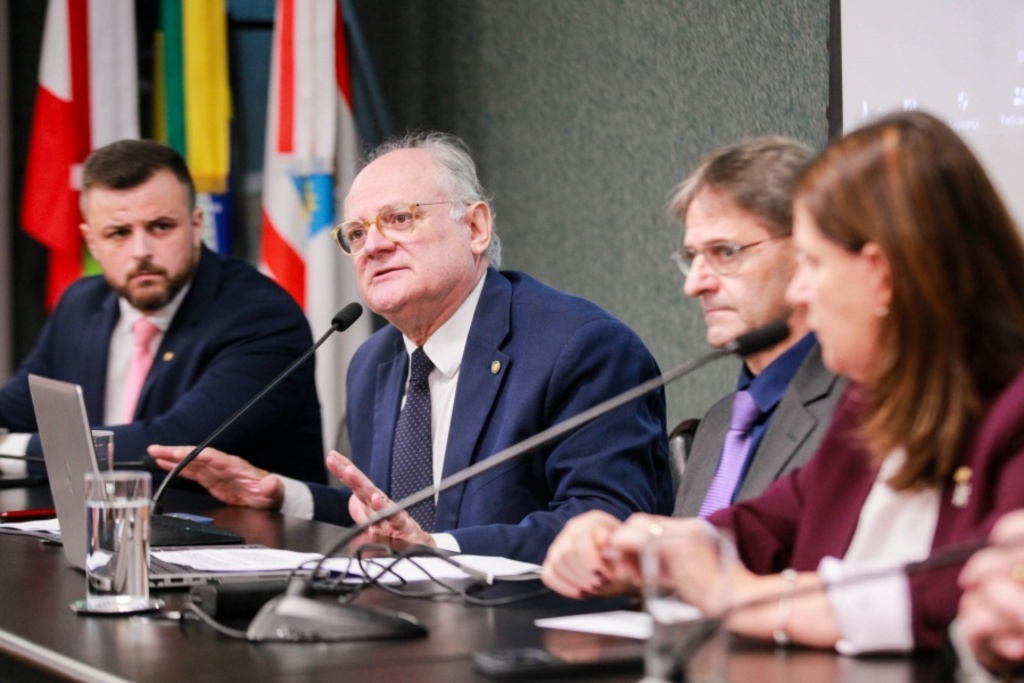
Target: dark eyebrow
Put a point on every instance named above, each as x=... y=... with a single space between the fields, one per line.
x=713 y=243
x=116 y=226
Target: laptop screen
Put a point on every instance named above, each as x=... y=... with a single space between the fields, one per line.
x=67 y=443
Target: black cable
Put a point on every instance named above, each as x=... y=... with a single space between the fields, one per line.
x=194 y=610
x=465 y=593
x=469 y=598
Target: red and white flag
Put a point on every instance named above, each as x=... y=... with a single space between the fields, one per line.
x=310 y=160
x=87 y=97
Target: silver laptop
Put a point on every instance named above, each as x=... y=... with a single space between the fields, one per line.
x=67 y=444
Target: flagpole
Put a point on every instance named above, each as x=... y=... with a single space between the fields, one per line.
x=6 y=354
x=378 y=109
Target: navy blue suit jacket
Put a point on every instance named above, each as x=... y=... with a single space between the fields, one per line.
x=534 y=357
x=234 y=332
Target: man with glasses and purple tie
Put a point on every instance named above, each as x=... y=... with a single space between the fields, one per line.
x=737 y=258
x=473 y=361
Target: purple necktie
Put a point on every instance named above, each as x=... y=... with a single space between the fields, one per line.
x=412 y=458
x=734 y=454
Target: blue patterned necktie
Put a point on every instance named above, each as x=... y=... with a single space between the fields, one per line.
x=412 y=458
x=734 y=454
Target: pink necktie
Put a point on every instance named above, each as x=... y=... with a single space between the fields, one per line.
x=142 y=359
x=734 y=454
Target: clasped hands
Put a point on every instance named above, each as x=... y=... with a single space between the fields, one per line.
x=236 y=481
x=991 y=615
x=596 y=554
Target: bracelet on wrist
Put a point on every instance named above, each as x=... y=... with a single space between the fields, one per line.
x=781 y=635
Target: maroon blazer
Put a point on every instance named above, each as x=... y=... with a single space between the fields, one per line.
x=813 y=512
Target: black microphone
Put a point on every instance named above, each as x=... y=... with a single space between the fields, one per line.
x=342 y=320
x=295 y=617
x=758 y=339
x=23 y=458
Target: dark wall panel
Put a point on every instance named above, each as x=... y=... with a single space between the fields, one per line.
x=584 y=115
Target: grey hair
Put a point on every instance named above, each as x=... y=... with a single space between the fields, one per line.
x=758 y=175
x=458 y=178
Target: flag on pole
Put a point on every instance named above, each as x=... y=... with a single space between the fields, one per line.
x=310 y=158
x=192 y=103
x=87 y=97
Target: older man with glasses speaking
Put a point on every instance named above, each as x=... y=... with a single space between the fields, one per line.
x=737 y=258
x=474 y=360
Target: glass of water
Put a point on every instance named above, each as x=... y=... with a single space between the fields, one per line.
x=103 y=444
x=117 y=506
x=686 y=585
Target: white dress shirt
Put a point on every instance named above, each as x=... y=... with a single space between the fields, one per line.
x=894 y=528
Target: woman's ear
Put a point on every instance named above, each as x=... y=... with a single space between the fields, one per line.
x=879 y=274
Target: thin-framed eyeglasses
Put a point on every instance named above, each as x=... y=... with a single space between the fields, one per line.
x=724 y=257
x=394 y=223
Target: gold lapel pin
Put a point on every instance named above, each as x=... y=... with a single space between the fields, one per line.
x=495 y=367
x=168 y=355
x=962 y=486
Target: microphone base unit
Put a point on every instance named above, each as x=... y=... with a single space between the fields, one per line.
x=235 y=600
x=299 y=619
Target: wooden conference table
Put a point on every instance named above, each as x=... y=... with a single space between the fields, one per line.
x=41 y=639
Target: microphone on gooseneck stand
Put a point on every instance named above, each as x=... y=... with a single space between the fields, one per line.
x=22 y=458
x=342 y=320
x=295 y=617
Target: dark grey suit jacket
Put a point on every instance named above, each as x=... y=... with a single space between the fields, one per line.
x=796 y=429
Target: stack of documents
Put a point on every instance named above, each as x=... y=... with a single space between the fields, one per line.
x=47 y=529
x=383 y=569
x=260 y=559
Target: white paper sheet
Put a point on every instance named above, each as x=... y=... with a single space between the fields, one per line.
x=236 y=558
x=618 y=623
x=50 y=526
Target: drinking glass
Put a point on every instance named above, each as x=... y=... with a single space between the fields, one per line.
x=686 y=588
x=103 y=444
x=117 y=510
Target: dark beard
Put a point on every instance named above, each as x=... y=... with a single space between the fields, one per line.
x=151 y=299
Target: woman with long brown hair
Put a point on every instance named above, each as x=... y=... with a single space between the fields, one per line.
x=912 y=272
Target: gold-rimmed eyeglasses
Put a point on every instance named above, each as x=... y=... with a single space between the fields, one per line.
x=723 y=257
x=394 y=223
